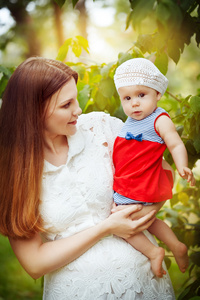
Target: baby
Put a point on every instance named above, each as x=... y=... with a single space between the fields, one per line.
x=140 y=175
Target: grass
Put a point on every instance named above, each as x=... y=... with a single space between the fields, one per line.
x=16 y=284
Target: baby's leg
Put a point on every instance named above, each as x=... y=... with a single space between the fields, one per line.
x=156 y=254
x=164 y=233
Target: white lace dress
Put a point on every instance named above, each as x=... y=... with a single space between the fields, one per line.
x=78 y=195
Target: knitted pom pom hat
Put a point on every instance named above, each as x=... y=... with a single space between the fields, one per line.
x=140 y=71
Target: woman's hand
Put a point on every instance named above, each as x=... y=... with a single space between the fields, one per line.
x=137 y=214
x=123 y=224
x=49 y=256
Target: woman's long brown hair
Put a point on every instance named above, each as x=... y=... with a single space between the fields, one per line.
x=21 y=142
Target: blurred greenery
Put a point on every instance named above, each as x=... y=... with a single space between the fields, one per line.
x=15 y=283
x=165 y=31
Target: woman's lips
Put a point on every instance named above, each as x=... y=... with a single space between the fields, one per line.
x=73 y=123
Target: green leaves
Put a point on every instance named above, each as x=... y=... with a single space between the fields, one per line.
x=76 y=45
x=188 y=5
x=84 y=94
x=169 y=15
x=122 y=57
x=195 y=257
x=96 y=89
x=60 y=2
x=74 y=2
x=192 y=126
x=173 y=51
x=161 y=62
x=195 y=104
x=141 y=9
x=191 y=291
x=5 y=74
x=197 y=143
x=107 y=87
x=175 y=25
x=184 y=214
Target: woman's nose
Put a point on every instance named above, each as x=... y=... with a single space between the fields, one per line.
x=77 y=110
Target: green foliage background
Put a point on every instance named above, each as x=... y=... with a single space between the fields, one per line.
x=174 y=24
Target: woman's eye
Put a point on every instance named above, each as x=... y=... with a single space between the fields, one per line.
x=141 y=95
x=66 y=105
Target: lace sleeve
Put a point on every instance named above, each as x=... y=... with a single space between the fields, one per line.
x=103 y=125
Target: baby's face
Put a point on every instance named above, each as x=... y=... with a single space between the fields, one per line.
x=138 y=101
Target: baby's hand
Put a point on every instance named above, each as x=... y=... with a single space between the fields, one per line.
x=187 y=174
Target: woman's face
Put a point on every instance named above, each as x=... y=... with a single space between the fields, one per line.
x=63 y=111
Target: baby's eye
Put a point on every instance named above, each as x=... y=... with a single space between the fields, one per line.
x=141 y=95
x=127 y=98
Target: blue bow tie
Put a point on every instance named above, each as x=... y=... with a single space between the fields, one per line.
x=130 y=136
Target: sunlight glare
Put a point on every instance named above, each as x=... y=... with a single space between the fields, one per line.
x=6 y=21
x=100 y=16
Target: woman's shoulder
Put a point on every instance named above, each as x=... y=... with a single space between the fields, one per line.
x=102 y=125
x=99 y=120
x=88 y=117
x=94 y=116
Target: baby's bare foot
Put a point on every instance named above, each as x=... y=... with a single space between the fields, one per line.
x=156 y=259
x=181 y=256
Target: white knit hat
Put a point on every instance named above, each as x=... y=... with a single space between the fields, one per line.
x=140 y=71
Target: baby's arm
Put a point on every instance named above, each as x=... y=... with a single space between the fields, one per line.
x=167 y=131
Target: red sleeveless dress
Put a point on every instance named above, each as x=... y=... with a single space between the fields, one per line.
x=138 y=163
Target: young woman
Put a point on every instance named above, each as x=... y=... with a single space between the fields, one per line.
x=56 y=192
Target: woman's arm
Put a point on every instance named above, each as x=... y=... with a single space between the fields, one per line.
x=39 y=258
x=146 y=209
